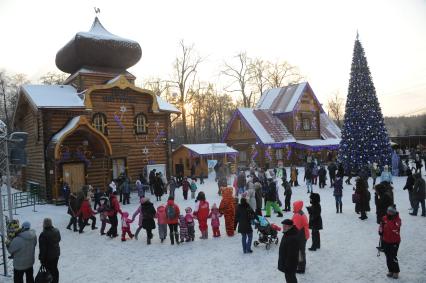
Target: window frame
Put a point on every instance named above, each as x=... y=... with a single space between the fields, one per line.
x=103 y=126
x=308 y=124
x=137 y=132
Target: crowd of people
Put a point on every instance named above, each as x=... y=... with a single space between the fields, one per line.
x=251 y=196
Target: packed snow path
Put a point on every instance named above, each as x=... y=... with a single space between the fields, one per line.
x=348 y=247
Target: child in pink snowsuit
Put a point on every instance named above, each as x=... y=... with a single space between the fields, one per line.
x=125 y=226
x=214 y=215
x=189 y=219
x=202 y=213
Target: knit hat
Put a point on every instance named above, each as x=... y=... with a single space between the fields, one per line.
x=26 y=225
x=392 y=210
x=288 y=222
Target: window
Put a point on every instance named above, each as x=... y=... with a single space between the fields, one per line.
x=279 y=153
x=141 y=125
x=99 y=122
x=306 y=123
x=240 y=126
x=118 y=167
x=242 y=156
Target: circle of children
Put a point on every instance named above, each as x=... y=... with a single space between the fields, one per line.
x=257 y=188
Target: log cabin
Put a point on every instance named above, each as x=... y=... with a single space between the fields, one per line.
x=187 y=156
x=286 y=125
x=98 y=124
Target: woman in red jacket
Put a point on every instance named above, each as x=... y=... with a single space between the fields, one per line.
x=301 y=222
x=84 y=214
x=390 y=231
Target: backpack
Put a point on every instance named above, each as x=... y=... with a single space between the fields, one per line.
x=170 y=212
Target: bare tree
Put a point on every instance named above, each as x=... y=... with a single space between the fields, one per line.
x=185 y=70
x=336 y=108
x=53 y=78
x=282 y=73
x=258 y=68
x=241 y=75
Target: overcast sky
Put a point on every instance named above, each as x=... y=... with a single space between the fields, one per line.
x=317 y=36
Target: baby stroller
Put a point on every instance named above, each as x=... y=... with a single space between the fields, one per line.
x=268 y=233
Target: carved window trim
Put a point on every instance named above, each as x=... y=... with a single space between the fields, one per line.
x=141 y=124
x=100 y=122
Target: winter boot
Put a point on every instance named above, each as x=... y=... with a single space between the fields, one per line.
x=395 y=275
x=148 y=241
x=337 y=208
x=280 y=214
x=177 y=238
x=341 y=207
x=206 y=234
x=172 y=239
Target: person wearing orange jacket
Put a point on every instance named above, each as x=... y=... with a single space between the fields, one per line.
x=172 y=215
x=301 y=222
x=84 y=214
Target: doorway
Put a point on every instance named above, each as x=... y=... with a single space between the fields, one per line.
x=74 y=175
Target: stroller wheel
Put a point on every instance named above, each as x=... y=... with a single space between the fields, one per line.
x=256 y=243
x=268 y=246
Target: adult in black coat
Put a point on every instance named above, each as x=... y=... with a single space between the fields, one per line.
x=49 y=248
x=72 y=211
x=315 y=220
x=148 y=214
x=243 y=219
x=332 y=173
x=409 y=185
x=322 y=175
x=382 y=199
x=158 y=187
x=289 y=251
x=363 y=203
x=151 y=178
x=419 y=194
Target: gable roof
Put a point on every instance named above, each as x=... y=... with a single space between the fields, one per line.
x=328 y=128
x=267 y=128
x=209 y=148
x=53 y=96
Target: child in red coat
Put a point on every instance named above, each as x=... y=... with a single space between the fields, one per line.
x=389 y=229
x=84 y=214
x=125 y=226
x=202 y=213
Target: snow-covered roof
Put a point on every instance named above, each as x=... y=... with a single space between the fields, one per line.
x=329 y=129
x=68 y=127
x=319 y=142
x=281 y=100
x=97 y=31
x=268 y=128
x=53 y=96
x=163 y=105
x=210 y=148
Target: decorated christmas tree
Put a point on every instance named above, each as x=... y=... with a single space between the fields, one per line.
x=364 y=136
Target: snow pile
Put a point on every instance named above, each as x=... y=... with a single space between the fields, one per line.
x=347 y=254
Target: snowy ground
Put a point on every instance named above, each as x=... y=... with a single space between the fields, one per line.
x=348 y=248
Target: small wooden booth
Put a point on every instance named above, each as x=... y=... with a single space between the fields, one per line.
x=197 y=156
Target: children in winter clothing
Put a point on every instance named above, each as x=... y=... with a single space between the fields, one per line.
x=125 y=226
x=185 y=188
x=162 y=222
x=189 y=220
x=85 y=213
x=172 y=214
x=183 y=229
x=315 y=221
x=215 y=223
x=138 y=211
x=201 y=212
x=227 y=208
x=103 y=210
x=193 y=189
x=287 y=193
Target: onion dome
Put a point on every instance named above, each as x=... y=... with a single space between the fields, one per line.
x=98 y=48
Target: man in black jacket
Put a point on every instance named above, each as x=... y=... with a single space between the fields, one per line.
x=49 y=248
x=289 y=251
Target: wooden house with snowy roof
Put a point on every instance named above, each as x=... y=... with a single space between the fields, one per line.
x=285 y=126
x=97 y=125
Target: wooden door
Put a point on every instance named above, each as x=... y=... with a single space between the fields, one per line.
x=73 y=174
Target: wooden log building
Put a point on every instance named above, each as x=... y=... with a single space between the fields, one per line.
x=286 y=125
x=97 y=125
